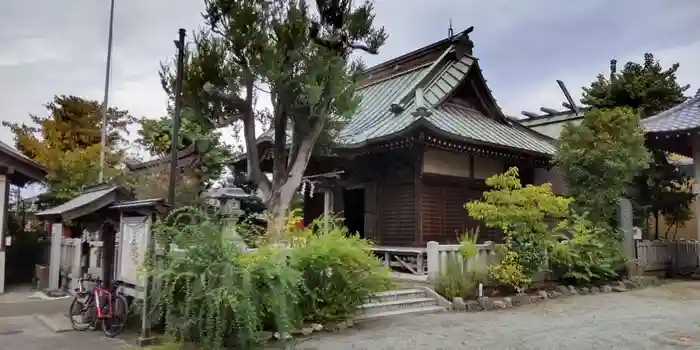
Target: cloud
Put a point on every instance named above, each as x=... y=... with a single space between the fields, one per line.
x=547 y=93
x=523 y=46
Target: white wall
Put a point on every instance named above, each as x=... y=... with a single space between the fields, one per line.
x=457 y=164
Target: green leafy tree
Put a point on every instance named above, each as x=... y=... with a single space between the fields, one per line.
x=525 y=214
x=155 y=136
x=648 y=88
x=645 y=87
x=67 y=142
x=280 y=48
x=600 y=158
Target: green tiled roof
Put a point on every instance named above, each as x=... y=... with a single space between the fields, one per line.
x=375 y=120
x=473 y=125
x=374 y=117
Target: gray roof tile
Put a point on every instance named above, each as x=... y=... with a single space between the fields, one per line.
x=685 y=116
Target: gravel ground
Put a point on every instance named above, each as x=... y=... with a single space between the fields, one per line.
x=656 y=318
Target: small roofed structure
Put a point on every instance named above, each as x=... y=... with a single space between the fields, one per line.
x=91 y=208
x=677 y=130
x=15 y=169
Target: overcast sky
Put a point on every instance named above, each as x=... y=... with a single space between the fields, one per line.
x=59 y=47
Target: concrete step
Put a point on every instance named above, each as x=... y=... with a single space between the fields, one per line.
x=401 y=294
x=57 y=323
x=387 y=306
x=400 y=312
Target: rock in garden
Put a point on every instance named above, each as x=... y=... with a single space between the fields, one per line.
x=282 y=336
x=542 y=294
x=535 y=298
x=572 y=290
x=266 y=335
x=486 y=303
x=585 y=290
x=473 y=306
x=605 y=288
x=317 y=326
x=508 y=301
x=629 y=284
x=521 y=299
x=619 y=288
x=563 y=290
x=350 y=323
x=459 y=304
x=306 y=331
x=500 y=304
x=595 y=290
x=553 y=294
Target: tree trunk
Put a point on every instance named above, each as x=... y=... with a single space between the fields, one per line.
x=283 y=191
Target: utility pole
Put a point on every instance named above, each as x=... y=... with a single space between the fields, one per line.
x=105 y=101
x=180 y=44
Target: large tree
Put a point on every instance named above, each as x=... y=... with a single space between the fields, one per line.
x=67 y=142
x=301 y=59
x=646 y=87
x=660 y=190
x=600 y=157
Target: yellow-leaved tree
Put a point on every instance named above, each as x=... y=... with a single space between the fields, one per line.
x=67 y=142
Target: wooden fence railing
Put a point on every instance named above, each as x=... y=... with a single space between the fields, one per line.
x=679 y=255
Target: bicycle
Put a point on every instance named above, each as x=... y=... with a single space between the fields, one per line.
x=99 y=305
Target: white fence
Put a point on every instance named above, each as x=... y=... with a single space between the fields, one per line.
x=74 y=262
x=439 y=255
x=668 y=255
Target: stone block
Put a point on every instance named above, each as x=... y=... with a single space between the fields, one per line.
x=572 y=290
x=595 y=290
x=521 y=299
x=458 y=304
x=585 y=290
x=473 y=306
x=500 y=304
x=542 y=294
x=563 y=290
x=486 y=303
x=605 y=288
x=508 y=301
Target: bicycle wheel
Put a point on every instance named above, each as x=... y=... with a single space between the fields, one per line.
x=82 y=313
x=114 y=325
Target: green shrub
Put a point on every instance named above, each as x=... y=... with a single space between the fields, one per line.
x=213 y=293
x=339 y=273
x=591 y=254
x=524 y=214
x=467 y=244
x=454 y=281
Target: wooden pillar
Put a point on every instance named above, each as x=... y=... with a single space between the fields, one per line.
x=4 y=201
x=146 y=338
x=327 y=208
x=55 y=260
x=695 y=143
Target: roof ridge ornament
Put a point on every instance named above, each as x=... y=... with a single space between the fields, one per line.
x=421 y=111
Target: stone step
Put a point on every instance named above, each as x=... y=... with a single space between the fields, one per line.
x=57 y=323
x=400 y=312
x=393 y=295
x=385 y=306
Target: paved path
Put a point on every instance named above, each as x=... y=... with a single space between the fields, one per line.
x=656 y=318
x=27 y=333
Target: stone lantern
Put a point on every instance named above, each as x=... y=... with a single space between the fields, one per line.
x=227 y=201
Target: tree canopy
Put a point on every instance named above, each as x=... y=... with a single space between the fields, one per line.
x=600 y=158
x=67 y=142
x=646 y=87
x=301 y=60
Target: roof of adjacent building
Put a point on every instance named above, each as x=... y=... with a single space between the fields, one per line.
x=683 y=117
x=36 y=168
